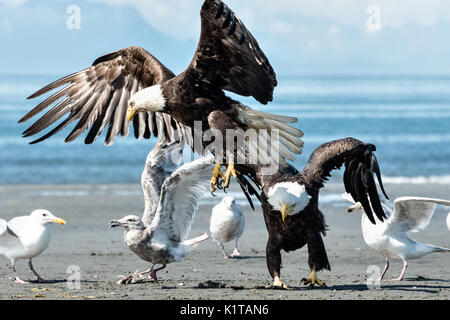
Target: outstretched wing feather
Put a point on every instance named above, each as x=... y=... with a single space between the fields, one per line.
x=97 y=97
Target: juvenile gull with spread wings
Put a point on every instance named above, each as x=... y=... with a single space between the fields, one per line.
x=171 y=202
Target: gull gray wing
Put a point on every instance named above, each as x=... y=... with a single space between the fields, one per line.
x=179 y=200
x=161 y=163
x=413 y=213
x=8 y=238
x=448 y=221
x=16 y=224
x=3 y=226
x=97 y=98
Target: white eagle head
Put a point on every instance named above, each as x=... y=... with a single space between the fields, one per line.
x=289 y=198
x=149 y=99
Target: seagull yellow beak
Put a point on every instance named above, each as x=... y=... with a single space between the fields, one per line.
x=284 y=211
x=59 y=221
x=130 y=113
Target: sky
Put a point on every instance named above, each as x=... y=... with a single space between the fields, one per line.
x=300 y=37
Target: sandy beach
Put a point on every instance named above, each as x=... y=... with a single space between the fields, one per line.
x=87 y=249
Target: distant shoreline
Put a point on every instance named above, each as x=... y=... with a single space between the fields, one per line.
x=330 y=195
x=337 y=179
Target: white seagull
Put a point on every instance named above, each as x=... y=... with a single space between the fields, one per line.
x=26 y=237
x=391 y=239
x=448 y=221
x=227 y=223
x=171 y=203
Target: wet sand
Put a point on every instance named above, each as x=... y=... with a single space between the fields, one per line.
x=87 y=249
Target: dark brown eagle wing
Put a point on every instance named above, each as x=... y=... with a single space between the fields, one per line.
x=98 y=97
x=360 y=167
x=228 y=56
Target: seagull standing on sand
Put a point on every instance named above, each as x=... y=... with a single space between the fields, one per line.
x=26 y=237
x=227 y=223
x=390 y=239
x=171 y=202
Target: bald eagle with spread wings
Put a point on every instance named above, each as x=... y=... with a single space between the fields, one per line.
x=131 y=85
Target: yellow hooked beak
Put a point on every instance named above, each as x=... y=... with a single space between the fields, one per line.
x=131 y=112
x=59 y=221
x=284 y=211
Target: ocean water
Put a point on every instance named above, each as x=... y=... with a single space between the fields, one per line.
x=407 y=118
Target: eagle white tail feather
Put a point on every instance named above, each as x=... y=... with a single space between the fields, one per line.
x=289 y=136
x=284 y=151
x=275 y=117
x=291 y=146
x=283 y=127
x=296 y=141
x=195 y=241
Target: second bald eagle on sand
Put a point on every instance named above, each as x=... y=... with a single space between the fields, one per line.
x=290 y=201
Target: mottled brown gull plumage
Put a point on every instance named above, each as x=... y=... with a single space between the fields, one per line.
x=160 y=236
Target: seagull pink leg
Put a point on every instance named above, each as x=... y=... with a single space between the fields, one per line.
x=236 y=252
x=402 y=275
x=152 y=272
x=223 y=250
x=20 y=281
x=386 y=267
x=17 y=279
x=39 y=279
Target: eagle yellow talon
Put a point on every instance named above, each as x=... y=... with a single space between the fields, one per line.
x=215 y=181
x=313 y=280
x=230 y=172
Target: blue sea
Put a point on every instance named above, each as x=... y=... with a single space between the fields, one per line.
x=406 y=117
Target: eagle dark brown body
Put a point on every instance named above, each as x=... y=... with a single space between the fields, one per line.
x=304 y=228
x=307 y=226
